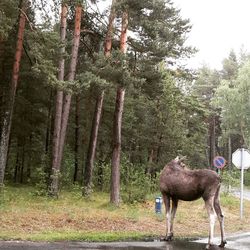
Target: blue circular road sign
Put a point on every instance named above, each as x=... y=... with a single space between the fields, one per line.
x=219 y=162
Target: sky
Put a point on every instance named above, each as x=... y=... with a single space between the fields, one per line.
x=218 y=27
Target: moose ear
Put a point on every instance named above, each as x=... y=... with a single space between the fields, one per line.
x=177 y=158
x=182 y=158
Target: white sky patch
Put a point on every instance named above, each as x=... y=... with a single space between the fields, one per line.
x=218 y=27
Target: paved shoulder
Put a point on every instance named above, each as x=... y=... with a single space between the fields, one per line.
x=239 y=241
x=156 y=245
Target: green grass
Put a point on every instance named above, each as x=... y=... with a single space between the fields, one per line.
x=229 y=201
x=21 y=200
x=25 y=216
x=84 y=236
x=51 y=236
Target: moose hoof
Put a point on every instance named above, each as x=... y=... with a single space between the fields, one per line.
x=208 y=246
x=169 y=237
x=223 y=243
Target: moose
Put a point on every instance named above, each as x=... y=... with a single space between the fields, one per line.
x=177 y=182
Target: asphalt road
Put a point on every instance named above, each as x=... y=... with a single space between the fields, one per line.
x=101 y=246
x=246 y=193
x=235 y=242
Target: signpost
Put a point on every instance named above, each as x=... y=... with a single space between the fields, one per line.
x=241 y=159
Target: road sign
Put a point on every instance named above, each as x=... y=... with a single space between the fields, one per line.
x=219 y=161
x=241 y=158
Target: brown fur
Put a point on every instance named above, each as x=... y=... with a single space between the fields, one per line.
x=177 y=182
x=184 y=184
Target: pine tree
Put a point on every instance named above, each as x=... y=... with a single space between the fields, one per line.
x=54 y=189
x=89 y=165
x=59 y=106
x=5 y=133
x=205 y=85
x=117 y=125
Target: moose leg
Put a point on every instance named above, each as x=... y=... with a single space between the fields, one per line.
x=220 y=218
x=209 y=203
x=166 y=200
x=173 y=212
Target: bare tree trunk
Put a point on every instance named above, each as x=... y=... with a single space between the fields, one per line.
x=151 y=159
x=48 y=132
x=87 y=182
x=29 y=159
x=100 y=178
x=124 y=33
x=71 y=77
x=77 y=137
x=212 y=140
x=108 y=38
x=116 y=154
x=59 y=102
x=17 y=166
x=5 y=134
x=89 y=166
x=22 y=164
x=67 y=98
x=159 y=148
x=100 y=171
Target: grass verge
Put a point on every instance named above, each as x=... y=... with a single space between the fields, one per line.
x=24 y=216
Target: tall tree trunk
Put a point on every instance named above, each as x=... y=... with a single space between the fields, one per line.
x=64 y=124
x=17 y=166
x=59 y=103
x=115 y=163
x=100 y=171
x=100 y=179
x=67 y=98
x=77 y=137
x=29 y=159
x=124 y=32
x=108 y=38
x=151 y=160
x=116 y=153
x=71 y=77
x=212 y=140
x=48 y=132
x=5 y=134
x=89 y=166
x=22 y=164
x=159 y=148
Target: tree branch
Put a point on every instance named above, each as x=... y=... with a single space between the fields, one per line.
x=30 y=23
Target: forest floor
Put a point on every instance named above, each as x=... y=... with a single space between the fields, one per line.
x=26 y=216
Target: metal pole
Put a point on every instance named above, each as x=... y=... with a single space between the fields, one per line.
x=229 y=161
x=241 y=184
